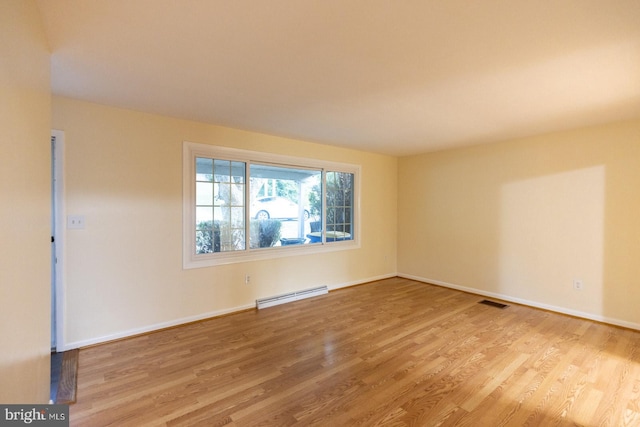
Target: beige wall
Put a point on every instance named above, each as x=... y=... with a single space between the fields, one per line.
x=123 y=172
x=520 y=219
x=523 y=219
x=25 y=120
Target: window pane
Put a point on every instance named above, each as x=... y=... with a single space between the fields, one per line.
x=204 y=193
x=222 y=170
x=204 y=169
x=265 y=233
x=315 y=207
x=203 y=214
x=340 y=186
x=222 y=213
x=206 y=235
x=348 y=220
x=220 y=193
x=231 y=239
x=223 y=194
x=238 y=172
x=204 y=242
x=237 y=217
x=237 y=195
x=284 y=202
x=226 y=240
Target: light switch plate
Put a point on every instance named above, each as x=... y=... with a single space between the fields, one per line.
x=75 y=222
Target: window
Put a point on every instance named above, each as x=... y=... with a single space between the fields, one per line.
x=339 y=205
x=219 y=203
x=242 y=205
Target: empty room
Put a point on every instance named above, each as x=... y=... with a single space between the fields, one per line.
x=321 y=213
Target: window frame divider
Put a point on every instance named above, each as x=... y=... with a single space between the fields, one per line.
x=191 y=150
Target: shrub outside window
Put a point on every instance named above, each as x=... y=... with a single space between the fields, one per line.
x=241 y=205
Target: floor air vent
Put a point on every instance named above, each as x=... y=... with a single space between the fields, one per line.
x=293 y=296
x=493 y=303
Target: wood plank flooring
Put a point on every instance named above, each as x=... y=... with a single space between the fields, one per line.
x=390 y=353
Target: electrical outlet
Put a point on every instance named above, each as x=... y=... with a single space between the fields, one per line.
x=578 y=285
x=247 y=279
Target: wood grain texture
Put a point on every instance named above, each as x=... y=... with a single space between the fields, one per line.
x=67 y=385
x=393 y=352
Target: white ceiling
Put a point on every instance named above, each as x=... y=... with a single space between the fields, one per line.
x=390 y=76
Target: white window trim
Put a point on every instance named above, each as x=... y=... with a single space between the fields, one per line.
x=191 y=150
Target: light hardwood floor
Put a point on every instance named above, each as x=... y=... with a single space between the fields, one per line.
x=393 y=352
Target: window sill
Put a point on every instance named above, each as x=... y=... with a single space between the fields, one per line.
x=220 y=258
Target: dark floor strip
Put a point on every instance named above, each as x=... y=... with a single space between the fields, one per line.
x=56 y=368
x=67 y=383
x=493 y=304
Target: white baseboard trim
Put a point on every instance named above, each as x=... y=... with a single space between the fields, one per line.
x=154 y=327
x=177 y=322
x=535 y=304
x=360 y=282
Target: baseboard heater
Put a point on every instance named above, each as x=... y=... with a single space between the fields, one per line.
x=292 y=296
